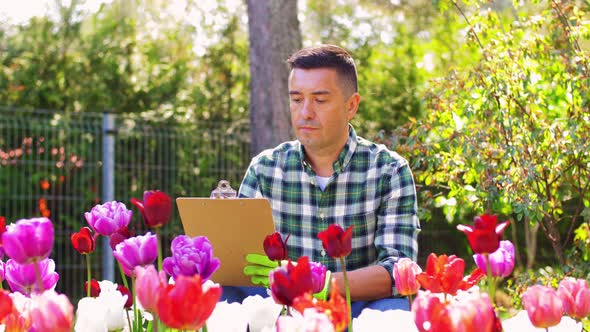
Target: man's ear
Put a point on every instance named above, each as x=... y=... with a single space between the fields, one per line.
x=352 y=105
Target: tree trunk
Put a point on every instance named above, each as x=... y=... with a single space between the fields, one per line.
x=553 y=235
x=530 y=239
x=274 y=35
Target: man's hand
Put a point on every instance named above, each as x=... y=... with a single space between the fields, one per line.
x=258 y=268
x=323 y=294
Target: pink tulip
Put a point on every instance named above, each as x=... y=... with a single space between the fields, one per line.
x=52 y=312
x=148 y=284
x=28 y=240
x=473 y=313
x=543 y=306
x=404 y=274
x=575 y=295
x=430 y=313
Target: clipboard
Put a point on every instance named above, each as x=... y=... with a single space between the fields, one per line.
x=235 y=227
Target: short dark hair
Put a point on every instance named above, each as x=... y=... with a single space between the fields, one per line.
x=327 y=56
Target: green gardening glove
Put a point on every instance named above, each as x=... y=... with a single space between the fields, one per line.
x=323 y=294
x=258 y=268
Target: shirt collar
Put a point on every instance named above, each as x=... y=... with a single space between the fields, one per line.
x=343 y=158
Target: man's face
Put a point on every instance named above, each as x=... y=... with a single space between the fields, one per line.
x=320 y=108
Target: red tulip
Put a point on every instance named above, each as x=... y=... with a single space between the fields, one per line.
x=125 y=291
x=430 y=314
x=274 y=246
x=6 y=305
x=485 y=235
x=290 y=281
x=575 y=295
x=185 y=305
x=543 y=306
x=444 y=274
x=83 y=241
x=122 y=234
x=94 y=288
x=155 y=208
x=336 y=308
x=404 y=274
x=336 y=241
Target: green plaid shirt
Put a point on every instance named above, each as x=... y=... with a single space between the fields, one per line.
x=372 y=188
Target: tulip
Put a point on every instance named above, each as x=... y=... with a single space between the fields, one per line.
x=2 y=271
x=119 y=236
x=126 y=292
x=148 y=284
x=444 y=274
x=155 y=208
x=274 y=247
x=136 y=251
x=290 y=281
x=94 y=288
x=311 y=320
x=485 y=235
x=430 y=314
x=20 y=318
x=28 y=240
x=335 y=308
x=191 y=256
x=543 y=306
x=6 y=305
x=107 y=218
x=575 y=295
x=336 y=241
x=501 y=260
x=52 y=312
x=186 y=305
x=22 y=278
x=83 y=241
x=473 y=313
x=404 y=274
x=318 y=276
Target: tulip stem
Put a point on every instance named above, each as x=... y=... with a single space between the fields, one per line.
x=159 y=238
x=491 y=281
x=204 y=329
x=136 y=318
x=89 y=285
x=38 y=276
x=347 y=288
x=123 y=276
x=129 y=321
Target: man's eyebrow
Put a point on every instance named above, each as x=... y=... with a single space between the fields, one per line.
x=320 y=92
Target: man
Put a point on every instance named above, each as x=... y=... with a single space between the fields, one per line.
x=330 y=175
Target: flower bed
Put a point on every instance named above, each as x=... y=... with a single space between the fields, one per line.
x=175 y=294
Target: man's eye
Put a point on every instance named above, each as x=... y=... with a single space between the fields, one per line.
x=295 y=100
x=320 y=101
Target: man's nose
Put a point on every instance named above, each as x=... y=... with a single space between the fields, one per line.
x=307 y=110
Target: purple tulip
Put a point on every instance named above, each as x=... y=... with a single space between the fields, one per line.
x=136 y=251
x=501 y=260
x=318 y=276
x=28 y=240
x=107 y=218
x=2 y=271
x=21 y=277
x=190 y=257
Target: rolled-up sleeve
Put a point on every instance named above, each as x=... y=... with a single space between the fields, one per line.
x=397 y=221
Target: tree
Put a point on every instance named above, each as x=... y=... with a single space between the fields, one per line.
x=274 y=34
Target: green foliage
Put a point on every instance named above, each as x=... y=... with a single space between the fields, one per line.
x=510 y=134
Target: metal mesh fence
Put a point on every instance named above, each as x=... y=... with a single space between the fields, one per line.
x=51 y=165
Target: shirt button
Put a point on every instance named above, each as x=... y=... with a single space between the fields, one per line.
x=323 y=253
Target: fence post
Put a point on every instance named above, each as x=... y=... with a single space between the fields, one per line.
x=108 y=187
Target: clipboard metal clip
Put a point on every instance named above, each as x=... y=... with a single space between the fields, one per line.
x=223 y=190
